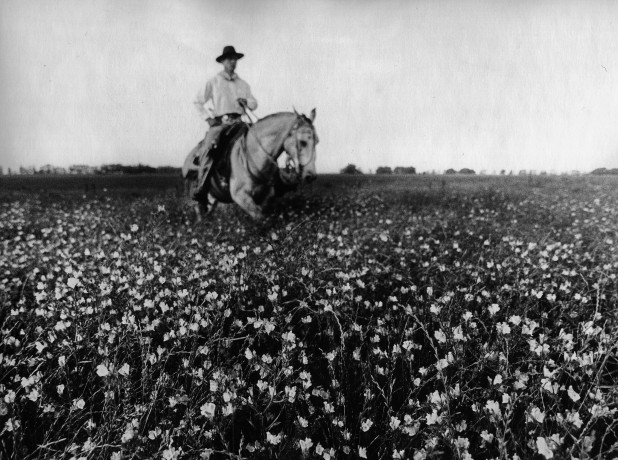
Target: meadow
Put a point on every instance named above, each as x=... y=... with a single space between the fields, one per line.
x=368 y=317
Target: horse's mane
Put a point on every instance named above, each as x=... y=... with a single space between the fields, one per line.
x=301 y=115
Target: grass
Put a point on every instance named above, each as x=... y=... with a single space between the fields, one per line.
x=370 y=317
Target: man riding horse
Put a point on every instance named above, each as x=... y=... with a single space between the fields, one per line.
x=243 y=168
x=229 y=95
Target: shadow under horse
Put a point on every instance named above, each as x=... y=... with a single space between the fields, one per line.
x=245 y=169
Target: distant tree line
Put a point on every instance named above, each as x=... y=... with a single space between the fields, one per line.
x=139 y=169
x=461 y=171
x=397 y=170
x=89 y=170
x=605 y=172
x=353 y=169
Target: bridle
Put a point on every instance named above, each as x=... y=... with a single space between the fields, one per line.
x=300 y=121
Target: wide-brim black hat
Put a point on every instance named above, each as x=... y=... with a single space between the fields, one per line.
x=229 y=52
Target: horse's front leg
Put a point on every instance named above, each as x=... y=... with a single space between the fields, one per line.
x=244 y=197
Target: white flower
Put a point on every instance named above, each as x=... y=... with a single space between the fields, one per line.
x=128 y=434
x=394 y=423
x=494 y=408
x=458 y=334
x=79 y=404
x=462 y=443
x=171 y=453
x=362 y=452
x=573 y=394
x=102 y=370
x=72 y=282
x=208 y=410
x=433 y=418
x=493 y=309
x=305 y=444
x=9 y=397
x=573 y=417
x=366 y=425
x=134 y=228
x=487 y=437
x=248 y=354
x=124 y=370
x=536 y=414
x=543 y=448
x=273 y=439
x=440 y=336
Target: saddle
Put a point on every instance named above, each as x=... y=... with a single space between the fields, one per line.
x=218 y=177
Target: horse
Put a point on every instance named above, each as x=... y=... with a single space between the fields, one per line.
x=252 y=163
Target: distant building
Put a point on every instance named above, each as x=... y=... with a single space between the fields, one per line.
x=27 y=171
x=82 y=169
x=50 y=169
x=112 y=169
x=467 y=171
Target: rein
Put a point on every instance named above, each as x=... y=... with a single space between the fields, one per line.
x=266 y=178
x=269 y=155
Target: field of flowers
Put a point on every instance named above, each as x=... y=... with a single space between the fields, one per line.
x=377 y=318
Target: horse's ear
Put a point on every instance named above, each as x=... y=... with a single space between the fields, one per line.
x=295 y=111
x=312 y=115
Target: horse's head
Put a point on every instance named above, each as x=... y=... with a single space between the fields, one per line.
x=300 y=147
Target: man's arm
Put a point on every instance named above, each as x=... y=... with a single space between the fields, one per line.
x=202 y=98
x=251 y=102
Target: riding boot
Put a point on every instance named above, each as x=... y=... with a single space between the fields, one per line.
x=205 y=163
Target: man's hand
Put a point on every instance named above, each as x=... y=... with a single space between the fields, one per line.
x=242 y=102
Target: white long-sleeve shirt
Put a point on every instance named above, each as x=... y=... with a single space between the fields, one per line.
x=224 y=91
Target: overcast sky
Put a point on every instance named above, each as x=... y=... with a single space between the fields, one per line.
x=432 y=84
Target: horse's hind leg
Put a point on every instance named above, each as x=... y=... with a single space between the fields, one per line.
x=205 y=209
x=199 y=211
x=212 y=204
